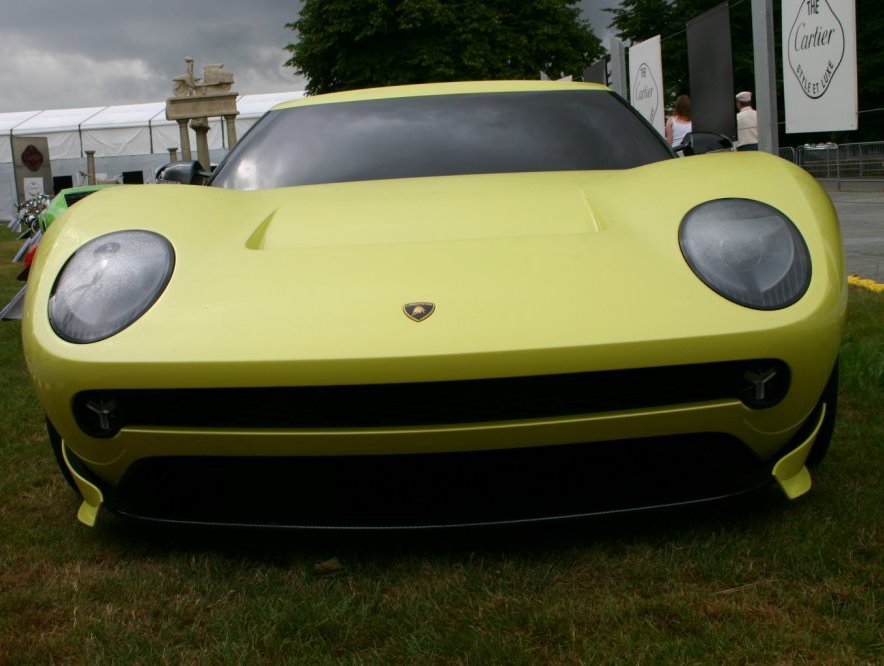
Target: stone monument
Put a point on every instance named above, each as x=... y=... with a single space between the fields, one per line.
x=198 y=99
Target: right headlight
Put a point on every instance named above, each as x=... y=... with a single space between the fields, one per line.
x=747 y=251
x=108 y=284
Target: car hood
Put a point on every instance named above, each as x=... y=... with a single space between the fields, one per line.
x=529 y=273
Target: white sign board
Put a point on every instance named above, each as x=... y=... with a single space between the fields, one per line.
x=33 y=187
x=819 y=65
x=646 y=81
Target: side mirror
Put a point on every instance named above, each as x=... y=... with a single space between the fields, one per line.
x=700 y=143
x=189 y=172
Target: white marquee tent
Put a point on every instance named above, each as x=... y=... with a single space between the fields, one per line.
x=133 y=137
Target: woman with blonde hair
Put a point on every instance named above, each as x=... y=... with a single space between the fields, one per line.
x=679 y=123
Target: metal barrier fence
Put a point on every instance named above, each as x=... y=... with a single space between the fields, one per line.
x=789 y=153
x=855 y=161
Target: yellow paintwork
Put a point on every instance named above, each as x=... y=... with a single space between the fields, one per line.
x=790 y=471
x=426 y=89
x=531 y=274
x=92 y=495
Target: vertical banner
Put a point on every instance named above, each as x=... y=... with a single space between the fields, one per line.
x=711 y=70
x=597 y=72
x=618 y=68
x=646 y=81
x=33 y=175
x=819 y=65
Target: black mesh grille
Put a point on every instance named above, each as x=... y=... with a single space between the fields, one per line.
x=73 y=197
x=104 y=413
x=441 y=489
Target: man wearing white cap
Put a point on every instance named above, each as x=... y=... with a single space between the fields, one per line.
x=747 y=122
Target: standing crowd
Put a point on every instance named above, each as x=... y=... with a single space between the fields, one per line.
x=680 y=123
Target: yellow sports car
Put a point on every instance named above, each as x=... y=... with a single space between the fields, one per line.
x=440 y=305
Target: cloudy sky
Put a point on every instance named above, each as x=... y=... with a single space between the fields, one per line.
x=79 y=53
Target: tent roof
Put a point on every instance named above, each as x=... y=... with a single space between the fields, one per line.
x=128 y=115
x=14 y=118
x=56 y=120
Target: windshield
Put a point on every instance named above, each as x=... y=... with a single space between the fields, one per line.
x=441 y=135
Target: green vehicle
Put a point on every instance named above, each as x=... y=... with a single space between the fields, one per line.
x=64 y=200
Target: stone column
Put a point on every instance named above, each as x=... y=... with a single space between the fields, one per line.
x=230 y=120
x=90 y=167
x=185 y=139
x=173 y=154
x=201 y=127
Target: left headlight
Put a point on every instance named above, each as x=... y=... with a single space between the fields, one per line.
x=747 y=251
x=108 y=284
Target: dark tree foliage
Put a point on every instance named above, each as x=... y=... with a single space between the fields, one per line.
x=636 y=20
x=347 y=44
x=870 y=66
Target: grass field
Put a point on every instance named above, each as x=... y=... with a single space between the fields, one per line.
x=762 y=581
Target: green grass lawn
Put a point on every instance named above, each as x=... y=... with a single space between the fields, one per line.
x=762 y=581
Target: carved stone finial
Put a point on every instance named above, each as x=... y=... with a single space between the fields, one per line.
x=216 y=80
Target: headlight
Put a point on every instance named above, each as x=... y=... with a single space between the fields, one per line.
x=109 y=283
x=747 y=251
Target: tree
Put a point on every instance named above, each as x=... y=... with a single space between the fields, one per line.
x=870 y=70
x=347 y=44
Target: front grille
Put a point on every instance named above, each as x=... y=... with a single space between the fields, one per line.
x=440 y=489
x=758 y=383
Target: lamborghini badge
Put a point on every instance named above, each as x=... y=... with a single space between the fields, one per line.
x=418 y=311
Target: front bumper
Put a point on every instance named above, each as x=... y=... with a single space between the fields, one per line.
x=453 y=489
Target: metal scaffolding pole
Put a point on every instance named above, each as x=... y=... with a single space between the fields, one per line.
x=764 y=51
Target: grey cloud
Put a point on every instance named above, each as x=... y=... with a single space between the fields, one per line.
x=104 y=52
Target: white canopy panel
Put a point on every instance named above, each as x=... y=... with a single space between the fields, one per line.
x=8 y=121
x=12 y=119
x=61 y=129
x=121 y=130
x=118 y=141
x=56 y=120
x=127 y=115
x=165 y=135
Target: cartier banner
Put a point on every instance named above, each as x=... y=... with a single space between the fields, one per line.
x=819 y=65
x=646 y=81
